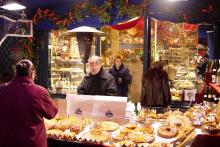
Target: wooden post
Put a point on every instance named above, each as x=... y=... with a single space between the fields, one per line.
x=147 y=43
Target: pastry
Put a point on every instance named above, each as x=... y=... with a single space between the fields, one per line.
x=108 y=126
x=167 y=131
x=70 y=136
x=137 y=137
x=76 y=128
x=140 y=137
x=119 y=137
x=54 y=133
x=145 y=129
x=125 y=130
x=50 y=124
x=63 y=125
x=143 y=145
x=96 y=136
x=126 y=143
x=131 y=126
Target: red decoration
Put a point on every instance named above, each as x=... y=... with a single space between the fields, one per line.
x=189 y=27
x=128 y=24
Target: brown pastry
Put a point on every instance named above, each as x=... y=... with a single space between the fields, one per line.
x=167 y=131
x=63 y=124
x=131 y=126
x=76 y=128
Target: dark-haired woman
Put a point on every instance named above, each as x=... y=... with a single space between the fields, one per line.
x=23 y=104
x=155 y=87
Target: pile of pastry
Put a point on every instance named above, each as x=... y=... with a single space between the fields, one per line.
x=150 y=116
x=205 y=117
x=65 y=128
x=100 y=132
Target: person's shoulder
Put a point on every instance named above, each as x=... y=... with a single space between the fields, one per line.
x=3 y=85
x=87 y=75
x=105 y=74
x=40 y=88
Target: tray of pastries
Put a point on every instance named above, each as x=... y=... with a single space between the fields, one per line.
x=96 y=135
x=65 y=128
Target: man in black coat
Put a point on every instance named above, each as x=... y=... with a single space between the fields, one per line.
x=122 y=76
x=97 y=81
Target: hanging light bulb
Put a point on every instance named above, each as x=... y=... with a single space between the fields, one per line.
x=12 y=5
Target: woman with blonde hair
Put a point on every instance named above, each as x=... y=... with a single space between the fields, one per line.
x=122 y=76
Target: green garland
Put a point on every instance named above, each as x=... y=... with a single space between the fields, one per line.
x=87 y=8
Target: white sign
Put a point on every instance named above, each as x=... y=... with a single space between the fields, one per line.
x=189 y=95
x=103 y=106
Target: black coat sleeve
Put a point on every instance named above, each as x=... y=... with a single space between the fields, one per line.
x=81 y=89
x=127 y=77
x=111 y=89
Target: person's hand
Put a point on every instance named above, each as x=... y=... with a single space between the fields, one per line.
x=119 y=80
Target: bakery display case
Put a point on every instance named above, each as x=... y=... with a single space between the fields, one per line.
x=130 y=47
x=66 y=65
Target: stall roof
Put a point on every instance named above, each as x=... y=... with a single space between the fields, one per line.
x=192 y=11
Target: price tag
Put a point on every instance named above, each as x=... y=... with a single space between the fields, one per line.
x=189 y=95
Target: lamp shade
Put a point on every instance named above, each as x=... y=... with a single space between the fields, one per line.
x=85 y=29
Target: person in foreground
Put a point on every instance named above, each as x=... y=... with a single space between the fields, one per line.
x=155 y=87
x=122 y=76
x=97 y=81
x=23 y=105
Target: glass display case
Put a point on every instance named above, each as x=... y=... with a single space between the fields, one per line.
x=67 y=69
x=131 y=47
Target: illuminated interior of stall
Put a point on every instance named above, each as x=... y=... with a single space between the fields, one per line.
x=173 y=43
x=164 y=36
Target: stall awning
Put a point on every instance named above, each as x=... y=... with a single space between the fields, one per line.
x=134 y=22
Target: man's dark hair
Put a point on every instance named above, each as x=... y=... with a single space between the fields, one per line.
x=24 y=67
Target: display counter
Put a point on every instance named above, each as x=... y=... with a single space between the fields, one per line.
x=169 y=127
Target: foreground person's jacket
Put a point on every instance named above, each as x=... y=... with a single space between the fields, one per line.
x=23 y=105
